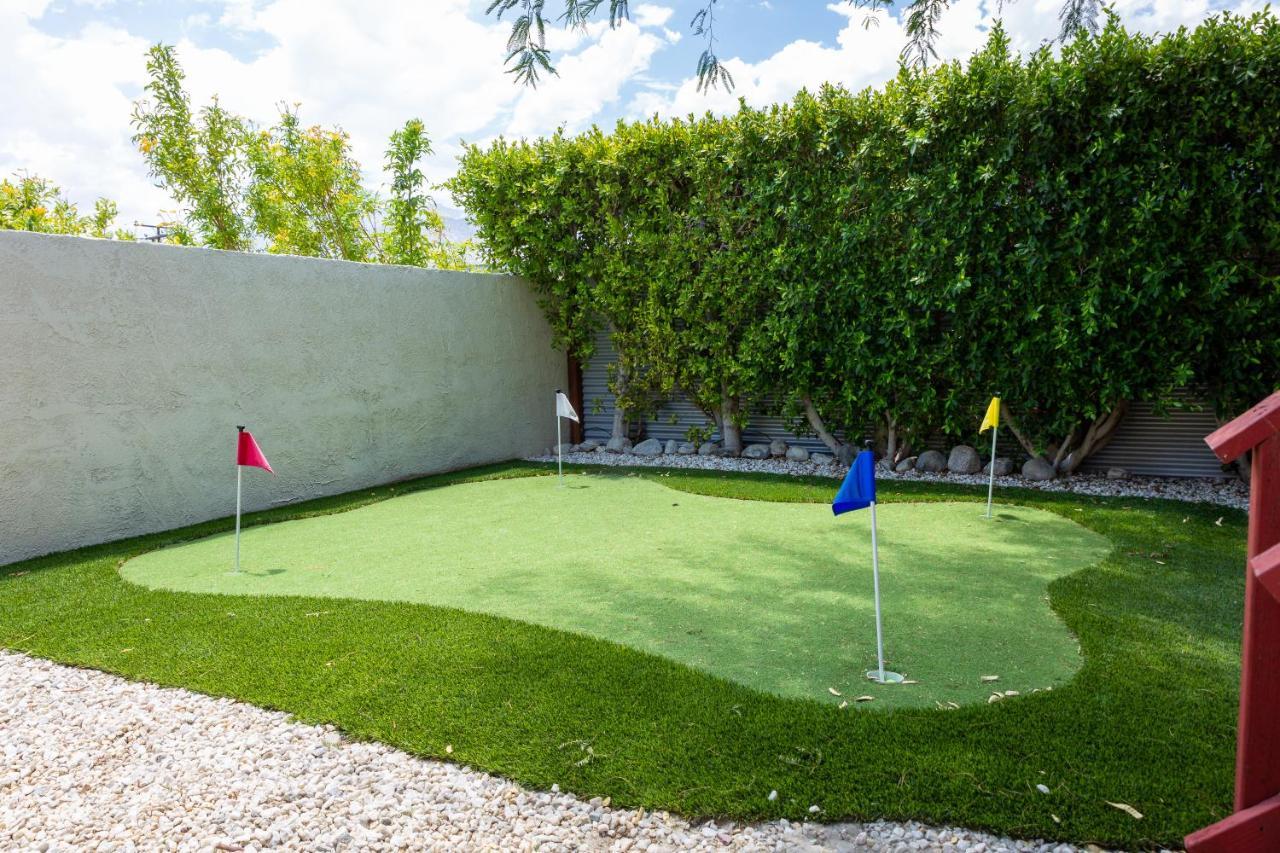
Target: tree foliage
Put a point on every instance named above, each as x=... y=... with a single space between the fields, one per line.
x=413 y=231
x=33 y=203
x=291 y=188
x=1071 y=232
x=198 y=157
x=304 y=193
x=529 y=58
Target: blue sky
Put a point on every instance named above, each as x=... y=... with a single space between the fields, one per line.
x=73 y=68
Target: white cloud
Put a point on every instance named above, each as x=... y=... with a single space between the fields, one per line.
x=586 y=82
x=368 y=65
x=365 y=66
x=649 y=15
x=865 y=53
x=67 y=112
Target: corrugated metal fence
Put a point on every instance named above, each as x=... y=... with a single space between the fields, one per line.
x=1145 y=443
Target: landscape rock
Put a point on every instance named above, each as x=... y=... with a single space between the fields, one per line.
x=687 y=449
x=564 y=448
x=797 y=454
x=821 y=458
x=671 y=447
x=1004 y=467
x=1117 y=474
x=618 y=445
x=648 y=447
x=709 y=448
x=756 y=451
x=1038 y=469
x=905 y=465
x=1229 y=492
x=963 y=459
x=588 y=446
x=777 y=448
x=728 y=452
x=931 y=462
x=846 y=453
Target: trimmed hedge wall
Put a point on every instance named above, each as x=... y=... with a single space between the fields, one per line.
x=1069 y=231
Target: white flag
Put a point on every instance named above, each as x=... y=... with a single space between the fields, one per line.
x=564 y=408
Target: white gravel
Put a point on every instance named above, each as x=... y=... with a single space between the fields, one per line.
x=1224 y=491
x=94 y=762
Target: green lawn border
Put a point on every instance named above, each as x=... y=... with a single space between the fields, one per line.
x=1149 y=720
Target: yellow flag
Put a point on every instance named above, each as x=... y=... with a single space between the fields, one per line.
x=993 y=415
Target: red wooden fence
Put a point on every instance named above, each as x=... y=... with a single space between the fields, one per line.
x=1255 y=825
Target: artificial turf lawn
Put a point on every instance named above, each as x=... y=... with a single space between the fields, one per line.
x=1149 y=720
x=776 y=596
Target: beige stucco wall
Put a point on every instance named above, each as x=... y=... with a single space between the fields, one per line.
x=124 y=369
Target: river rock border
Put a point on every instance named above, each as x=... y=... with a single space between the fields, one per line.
x=778 y=458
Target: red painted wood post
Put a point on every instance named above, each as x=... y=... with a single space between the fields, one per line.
x=1255 y=826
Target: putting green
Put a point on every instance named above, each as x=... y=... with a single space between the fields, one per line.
x=777 y=596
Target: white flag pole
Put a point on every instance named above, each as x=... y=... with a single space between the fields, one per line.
x=239 y=469
x=991 y=483
x=875 y=575
x=880 y=675
x=559 y=443
x=239 y=477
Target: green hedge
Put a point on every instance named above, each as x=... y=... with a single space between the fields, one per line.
x=1072 y=232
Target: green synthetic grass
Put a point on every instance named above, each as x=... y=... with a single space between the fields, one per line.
x=776 y=596
x=1149 y=720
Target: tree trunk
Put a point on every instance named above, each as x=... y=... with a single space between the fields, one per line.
x=1100 y=432
x=619 y=413
x=820 y=428
x=730 y=432
x=891 y=440
x=1065 y=449
x=1007 y=417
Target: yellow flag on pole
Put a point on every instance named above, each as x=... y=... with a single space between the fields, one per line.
x=993 y=415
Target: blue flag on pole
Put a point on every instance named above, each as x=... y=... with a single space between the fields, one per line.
x=858 y=491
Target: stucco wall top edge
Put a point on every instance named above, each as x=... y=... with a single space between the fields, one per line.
x=15 y=239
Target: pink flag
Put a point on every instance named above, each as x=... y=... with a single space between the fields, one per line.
x=248 y=452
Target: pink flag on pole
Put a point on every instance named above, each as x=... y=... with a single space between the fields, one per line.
x=249 y=453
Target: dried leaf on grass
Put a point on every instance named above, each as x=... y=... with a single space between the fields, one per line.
x=1127 y=809
x=834 y=692
x=989 y=678
x=865 y=699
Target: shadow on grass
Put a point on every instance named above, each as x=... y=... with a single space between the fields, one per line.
x=1149 y=720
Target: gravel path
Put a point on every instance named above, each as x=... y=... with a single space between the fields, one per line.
x=94 y=762
x=1230 y=492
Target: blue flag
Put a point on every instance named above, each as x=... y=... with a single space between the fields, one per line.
x=858 y=491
